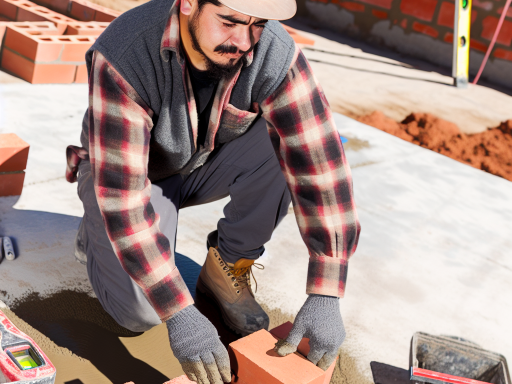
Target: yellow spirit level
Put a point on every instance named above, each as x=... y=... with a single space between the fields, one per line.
x=461 y=39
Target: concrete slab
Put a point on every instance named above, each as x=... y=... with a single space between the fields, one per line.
x=434 y=253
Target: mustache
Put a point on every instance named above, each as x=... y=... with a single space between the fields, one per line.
x=225 y=48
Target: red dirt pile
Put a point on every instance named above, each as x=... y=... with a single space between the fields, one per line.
x=490 y=151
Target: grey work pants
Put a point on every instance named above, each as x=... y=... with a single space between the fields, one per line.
x=246 y=169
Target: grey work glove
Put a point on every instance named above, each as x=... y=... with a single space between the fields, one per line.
x=196 y=344
x=320 y=321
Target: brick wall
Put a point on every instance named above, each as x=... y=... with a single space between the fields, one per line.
x=422 y=28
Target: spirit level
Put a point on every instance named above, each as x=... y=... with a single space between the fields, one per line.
x=21 y=359
x=461 y=40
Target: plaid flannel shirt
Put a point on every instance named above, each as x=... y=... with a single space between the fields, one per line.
x=306 y=142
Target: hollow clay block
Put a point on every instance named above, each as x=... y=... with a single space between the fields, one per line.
x=13 y=153
x=254 y=361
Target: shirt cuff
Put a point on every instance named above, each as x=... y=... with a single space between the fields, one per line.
x=327 y=276
x=170 y=295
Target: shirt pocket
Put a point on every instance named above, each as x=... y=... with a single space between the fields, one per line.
x=235 y=122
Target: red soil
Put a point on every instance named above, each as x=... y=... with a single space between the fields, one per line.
x=490 y=151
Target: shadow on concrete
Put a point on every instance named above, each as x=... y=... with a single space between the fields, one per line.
x=302 y=23
x=388 y=374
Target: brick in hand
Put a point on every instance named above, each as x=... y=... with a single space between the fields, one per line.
x=254 y=361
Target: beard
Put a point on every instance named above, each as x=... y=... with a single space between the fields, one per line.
x=217 y=71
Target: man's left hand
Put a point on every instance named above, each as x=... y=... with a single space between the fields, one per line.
x=319 y=319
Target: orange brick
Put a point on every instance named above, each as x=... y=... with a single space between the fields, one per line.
x=475 y=44
x=422 y=9
x=37 y=73
x=75 y=47
x=82 y=11
x=13 y=153
x=60 y=6
x=91 y=28
x=81 y=74
x=503 y=54
x=380 y=14
x=34 y=28
x=11 y=184
x=29 y=11
x=282 y=332
x=297 y=37
x=426 y=29
x=254 y=361
x=32 y=47
x=106 y=15
x=86 y=11
x=8 y=10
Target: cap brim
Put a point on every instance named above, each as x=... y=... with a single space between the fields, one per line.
x=264 y=9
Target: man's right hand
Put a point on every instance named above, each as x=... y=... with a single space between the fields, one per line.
x=196 y=344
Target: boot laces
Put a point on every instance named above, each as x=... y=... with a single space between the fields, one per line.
x=242 y=275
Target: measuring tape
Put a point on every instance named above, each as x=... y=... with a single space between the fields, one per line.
x=461 y=39
x=21 y=359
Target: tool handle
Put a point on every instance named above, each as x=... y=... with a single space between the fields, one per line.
x=8 y=249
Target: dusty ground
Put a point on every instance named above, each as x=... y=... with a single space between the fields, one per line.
x=490 y=151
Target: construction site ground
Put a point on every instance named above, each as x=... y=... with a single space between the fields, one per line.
x=434 y=253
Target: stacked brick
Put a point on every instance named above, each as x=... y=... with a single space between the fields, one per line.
x=47 y=44
x=433 y=18
x=46 y=41
x=13 y=161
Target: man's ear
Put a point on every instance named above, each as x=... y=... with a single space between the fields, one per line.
x=186 y=6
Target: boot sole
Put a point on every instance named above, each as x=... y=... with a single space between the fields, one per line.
x=203 y=288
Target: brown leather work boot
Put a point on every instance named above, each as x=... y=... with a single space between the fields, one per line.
x=230 y=286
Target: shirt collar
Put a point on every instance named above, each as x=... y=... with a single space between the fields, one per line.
x=171 y=38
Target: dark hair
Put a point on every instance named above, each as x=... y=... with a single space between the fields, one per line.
x=202 y=3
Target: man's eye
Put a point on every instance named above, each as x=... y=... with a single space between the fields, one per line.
x=229 y=25
x=260 y=26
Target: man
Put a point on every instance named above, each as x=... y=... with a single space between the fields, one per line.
x=189 y=103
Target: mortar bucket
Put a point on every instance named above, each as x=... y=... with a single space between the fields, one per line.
x=445 y=359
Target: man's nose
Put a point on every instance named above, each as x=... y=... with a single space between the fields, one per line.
x=242 y=39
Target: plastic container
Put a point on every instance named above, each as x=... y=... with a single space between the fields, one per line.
x=444 y=359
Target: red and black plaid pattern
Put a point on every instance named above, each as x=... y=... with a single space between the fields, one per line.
x=312 y=159
x=119 y=132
